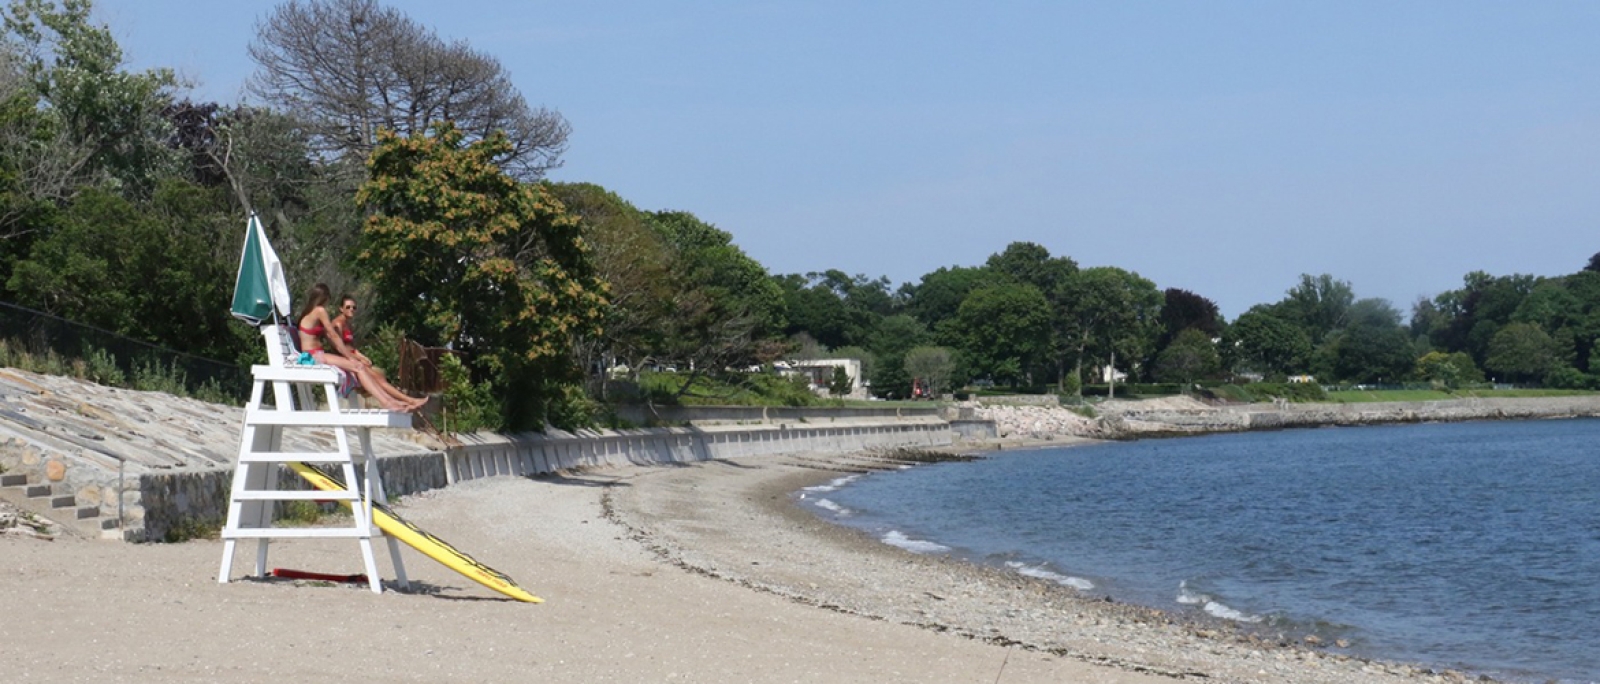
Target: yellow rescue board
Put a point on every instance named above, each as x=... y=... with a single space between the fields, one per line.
x=413 y=536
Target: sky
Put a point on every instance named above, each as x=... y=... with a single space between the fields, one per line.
x=1220 y=147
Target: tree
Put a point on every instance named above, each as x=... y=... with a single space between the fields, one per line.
x=161 y=271
x=1107 y=312
x=1184 y=310
x=841 y=383
x=895 y=337
x=939 y=294
x=633 y=259
x=1521 y=352
x=725 y=305
x=108 y=120
x=1029 y=263
x=1373 y=347
x=934 y=365
x=1190 y=357
x=264 y=157
x=462 y=254
x=1318 y=304
x=1006 y=331
x=1594 y=263
x=70 y=118
x=1267 y=343
x=1450 y=370
x=353 y=67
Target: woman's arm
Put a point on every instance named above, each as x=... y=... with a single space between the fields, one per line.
x=346 y=350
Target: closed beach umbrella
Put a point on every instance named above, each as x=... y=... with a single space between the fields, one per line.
x=260 y=287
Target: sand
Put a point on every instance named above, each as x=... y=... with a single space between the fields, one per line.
x=703 y=573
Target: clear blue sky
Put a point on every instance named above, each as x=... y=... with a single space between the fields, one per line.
x=1220 y=147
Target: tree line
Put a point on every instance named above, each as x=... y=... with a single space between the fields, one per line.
x=388 y=161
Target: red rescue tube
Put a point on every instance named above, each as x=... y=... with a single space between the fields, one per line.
x=303 y=575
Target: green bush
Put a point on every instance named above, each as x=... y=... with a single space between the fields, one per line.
x=1568 y=377
x=102 y=369
x=383 y=348
x=468 y=406
x=733 y=389
x=187 y=529
x=151 y=376
x=300 y=513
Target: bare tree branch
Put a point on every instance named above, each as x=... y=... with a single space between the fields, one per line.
x=352 y=67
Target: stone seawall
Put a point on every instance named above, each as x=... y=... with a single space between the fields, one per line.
x=1184 y=415
x=1286 y=415
x=179 y=502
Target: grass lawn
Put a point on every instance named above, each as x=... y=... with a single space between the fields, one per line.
x=1364 y=396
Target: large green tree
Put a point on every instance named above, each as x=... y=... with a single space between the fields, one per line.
x=106 y=122
x=1372 y=348
x=462 y=254
x=635 y=262
x=1265 y=343
x=1109 y=315
x=725 y=306
x=1191 y=356
x=1522 y=352
x=1005 y=331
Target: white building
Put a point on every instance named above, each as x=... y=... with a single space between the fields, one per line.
x=820 y=373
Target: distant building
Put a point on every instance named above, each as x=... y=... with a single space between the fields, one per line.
x=1302 y=379
x=820 y=373
x=1109 y=373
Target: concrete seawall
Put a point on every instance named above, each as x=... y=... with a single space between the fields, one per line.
x=176 y=502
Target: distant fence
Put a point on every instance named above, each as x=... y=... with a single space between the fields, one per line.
x=420 y=367
x=41 y=333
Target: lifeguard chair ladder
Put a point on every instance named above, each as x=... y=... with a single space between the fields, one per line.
x=256 y=476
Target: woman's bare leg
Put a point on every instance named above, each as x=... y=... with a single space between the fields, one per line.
x=368 y=382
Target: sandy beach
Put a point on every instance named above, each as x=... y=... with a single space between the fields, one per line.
x=702 y=573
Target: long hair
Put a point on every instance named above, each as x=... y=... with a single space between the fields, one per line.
x=318 y=296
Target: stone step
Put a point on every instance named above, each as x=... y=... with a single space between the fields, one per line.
x=66 y=501
x=13 y=480
x=37 y=491
x=86 y=512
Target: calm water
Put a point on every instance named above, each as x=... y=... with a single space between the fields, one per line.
x=1467 y=545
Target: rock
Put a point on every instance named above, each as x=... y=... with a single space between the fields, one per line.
x=88 y=496
x=55 y=471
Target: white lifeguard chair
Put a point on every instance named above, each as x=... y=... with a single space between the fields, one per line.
x=258 y=477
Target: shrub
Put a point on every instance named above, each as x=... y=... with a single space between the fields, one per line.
x=469 y=406
x=101 y=368
x=1568 y=377
x=151 y=376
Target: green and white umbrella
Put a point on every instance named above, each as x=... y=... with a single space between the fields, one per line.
x=260 y=288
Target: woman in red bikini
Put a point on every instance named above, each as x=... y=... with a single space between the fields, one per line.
x=314 y=328
x=341 y=328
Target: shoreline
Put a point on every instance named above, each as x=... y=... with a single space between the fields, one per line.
x=851 y=572
x=706 y=572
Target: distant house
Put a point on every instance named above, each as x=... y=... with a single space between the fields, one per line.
x=1302 y=379
x=1109 y=373
x=819 y=372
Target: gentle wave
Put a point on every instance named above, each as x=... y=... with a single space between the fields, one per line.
x=1211 y=606
x=829 y=505
x=832 y=485
x=896 y=538
x=1040 y=572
